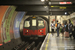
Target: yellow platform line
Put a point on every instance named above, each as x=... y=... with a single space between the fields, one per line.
x=47 y=42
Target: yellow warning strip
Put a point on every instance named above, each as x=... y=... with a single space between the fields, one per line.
x=47 y=42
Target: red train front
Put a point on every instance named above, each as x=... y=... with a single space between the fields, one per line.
x=34 y=26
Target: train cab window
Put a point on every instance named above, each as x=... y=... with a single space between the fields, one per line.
x=33 y=22
x=27 y=24
x=40 y=23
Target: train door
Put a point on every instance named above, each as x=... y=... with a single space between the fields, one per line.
x=34 y=27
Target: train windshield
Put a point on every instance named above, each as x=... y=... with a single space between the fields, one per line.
x=34 y=22
x=40 y=23
x=27 y=24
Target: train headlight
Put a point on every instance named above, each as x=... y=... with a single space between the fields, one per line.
x=26 y=30
x=41 y=30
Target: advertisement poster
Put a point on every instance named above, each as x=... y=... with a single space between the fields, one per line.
x=7 y=24
x=17 y=21
x=5 y=18
x=2 y=12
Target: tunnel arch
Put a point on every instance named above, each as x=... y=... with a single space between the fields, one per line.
x=27 y=16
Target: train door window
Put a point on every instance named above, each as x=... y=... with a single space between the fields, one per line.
x=40 y=23
x=33 y=22
x=27 y=24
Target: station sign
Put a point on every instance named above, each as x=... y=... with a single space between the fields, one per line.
x=62 y=2
x=65 y=2
x=68 y=2
x=53 y=19
x=62 y=7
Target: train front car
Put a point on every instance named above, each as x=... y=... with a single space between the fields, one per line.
x=34 y=27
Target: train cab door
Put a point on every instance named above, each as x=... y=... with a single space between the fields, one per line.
x=41 y=27
x=34 y=26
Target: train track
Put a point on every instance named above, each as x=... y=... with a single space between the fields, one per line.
x=29 y=45
x=34 y=46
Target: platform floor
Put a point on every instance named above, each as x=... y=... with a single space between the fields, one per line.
x=52 y=42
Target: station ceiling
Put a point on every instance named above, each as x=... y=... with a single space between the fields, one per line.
x=48 y=7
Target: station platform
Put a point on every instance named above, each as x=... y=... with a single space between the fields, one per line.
x=52 y=42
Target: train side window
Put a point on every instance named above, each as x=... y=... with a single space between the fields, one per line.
x=27 y=24
x=40 y=23
x=34 y=22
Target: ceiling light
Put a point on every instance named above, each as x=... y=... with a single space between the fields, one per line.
x=45 y=6
x=65 y=13
x=49 y=2
x=42 y=0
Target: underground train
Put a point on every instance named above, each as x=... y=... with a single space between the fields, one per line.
x=34 y=27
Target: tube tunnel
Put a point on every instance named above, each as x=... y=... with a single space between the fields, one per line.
x=10 y=27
